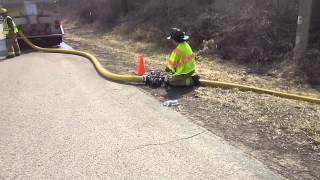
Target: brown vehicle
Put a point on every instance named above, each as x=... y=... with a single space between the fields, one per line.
x=38 y=19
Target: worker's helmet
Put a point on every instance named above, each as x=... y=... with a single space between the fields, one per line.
x=178 y=35
x=3 y=11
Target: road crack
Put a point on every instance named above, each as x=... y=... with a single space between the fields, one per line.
x=166 y=143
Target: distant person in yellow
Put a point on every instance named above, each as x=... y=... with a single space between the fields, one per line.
x=182 y=62
x=10 y=30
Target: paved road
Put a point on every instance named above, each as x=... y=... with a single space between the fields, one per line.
x=60 y=120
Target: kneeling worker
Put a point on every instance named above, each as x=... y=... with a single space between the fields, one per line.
x=182 y=63
x=10 y=30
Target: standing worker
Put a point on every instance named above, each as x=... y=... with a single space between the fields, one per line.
x=182 y=62
x=10 y=30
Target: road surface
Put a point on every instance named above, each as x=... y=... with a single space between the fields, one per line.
x=61 y=120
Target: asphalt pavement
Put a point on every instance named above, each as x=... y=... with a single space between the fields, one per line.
x=61 y=120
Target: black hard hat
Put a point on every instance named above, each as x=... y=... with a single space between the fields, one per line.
x=178 y=35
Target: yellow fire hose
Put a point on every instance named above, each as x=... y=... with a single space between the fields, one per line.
x=104 y=72
x=131 y=78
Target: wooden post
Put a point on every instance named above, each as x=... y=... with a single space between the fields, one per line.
x=303 y=29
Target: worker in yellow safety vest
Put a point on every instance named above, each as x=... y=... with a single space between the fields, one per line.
x=10 y=30
x=182 y=62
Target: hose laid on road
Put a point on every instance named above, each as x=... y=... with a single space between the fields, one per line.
x=131 y=78
x=103 y=72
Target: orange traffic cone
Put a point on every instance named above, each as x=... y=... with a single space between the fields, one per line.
x=141 y=67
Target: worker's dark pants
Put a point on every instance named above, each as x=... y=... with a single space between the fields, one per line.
x=12 y=45
x=184 y=80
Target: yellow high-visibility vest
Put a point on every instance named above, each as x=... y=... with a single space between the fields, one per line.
x=6 y=26
x=182 y=60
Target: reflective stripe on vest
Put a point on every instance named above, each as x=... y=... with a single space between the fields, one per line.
x=6 y=26
x=179 y=52
x=183 y=58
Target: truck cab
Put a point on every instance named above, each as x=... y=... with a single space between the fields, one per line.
x=39 y=20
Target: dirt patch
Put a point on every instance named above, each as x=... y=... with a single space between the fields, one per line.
x=283 y=134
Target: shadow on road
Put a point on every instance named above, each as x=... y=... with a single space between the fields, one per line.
x=26 y=49
x=177 y=93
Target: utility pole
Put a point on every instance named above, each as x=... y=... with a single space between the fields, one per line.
x=303 y=29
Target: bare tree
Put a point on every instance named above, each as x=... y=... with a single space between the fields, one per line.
x=303 y=28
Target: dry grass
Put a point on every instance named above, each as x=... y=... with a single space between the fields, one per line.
x=255 y=33
x=284 y=134
x=127 y=52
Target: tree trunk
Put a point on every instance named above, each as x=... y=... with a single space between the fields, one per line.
x=303 y=28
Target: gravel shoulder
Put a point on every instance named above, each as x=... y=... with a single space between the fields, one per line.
x=283 y=134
